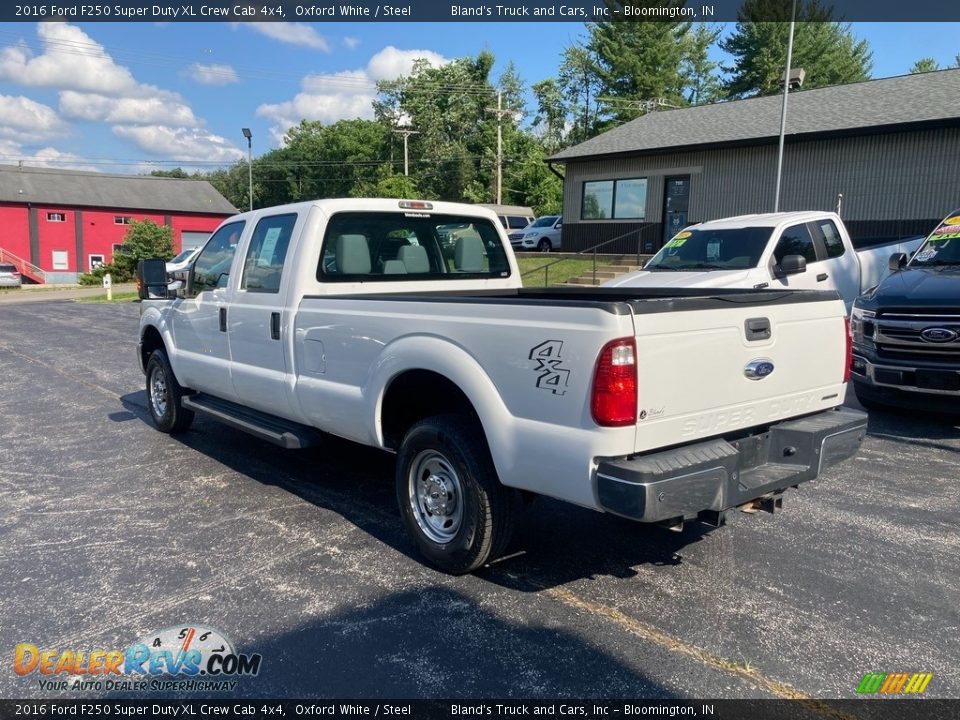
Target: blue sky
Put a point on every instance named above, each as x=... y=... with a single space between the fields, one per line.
x=131 y=97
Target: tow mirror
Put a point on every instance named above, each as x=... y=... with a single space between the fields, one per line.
x=897 y=262
x=152 y=279
x=793 y=265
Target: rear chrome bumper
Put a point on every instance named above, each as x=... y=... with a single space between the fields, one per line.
x=703 y=480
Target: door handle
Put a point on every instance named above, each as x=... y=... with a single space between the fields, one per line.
x=821 y=277
x=223 y=319
x=757 y=329
x=275 y=326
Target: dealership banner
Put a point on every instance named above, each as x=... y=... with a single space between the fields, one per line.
x=490 y=709
x=578 y=11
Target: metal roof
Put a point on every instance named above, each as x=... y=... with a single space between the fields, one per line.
x=77 y=188
x=863 y=106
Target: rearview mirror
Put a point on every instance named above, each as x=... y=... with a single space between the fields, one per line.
x=152 y=279
x=793 y=264
x=897 y=262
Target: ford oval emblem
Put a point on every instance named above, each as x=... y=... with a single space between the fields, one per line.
x=758 y=369
x=939 y=335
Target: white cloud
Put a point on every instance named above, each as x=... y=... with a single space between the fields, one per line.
x=390 y=63
x=351 y=42
x=26 y=120
x=164 y=108
x=189 y=144
x=94 y=88
x=70 y=59
x=11 y=153
x=212 y=74
x=347 y=94
x=291 y=33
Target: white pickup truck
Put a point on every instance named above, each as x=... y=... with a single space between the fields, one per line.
x=790 y=250
x=349 y=317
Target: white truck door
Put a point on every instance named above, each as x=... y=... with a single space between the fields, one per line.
x=199 y=322
x=257 y=317
x=840 y=261
x=797 y=240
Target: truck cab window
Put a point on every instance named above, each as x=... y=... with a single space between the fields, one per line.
x=212 y=267
x=263 y=266
x=795 y=240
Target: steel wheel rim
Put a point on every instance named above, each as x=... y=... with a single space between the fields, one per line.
x=436 y=496
x=158 y=392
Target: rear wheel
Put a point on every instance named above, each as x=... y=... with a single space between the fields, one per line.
x=544 y=245
x=453 y=505
x=164 y=396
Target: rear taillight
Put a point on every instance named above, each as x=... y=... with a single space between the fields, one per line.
x=613 y=401
x=848 y=355
x=16 y=273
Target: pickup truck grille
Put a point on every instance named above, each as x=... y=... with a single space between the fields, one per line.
x=900 y=336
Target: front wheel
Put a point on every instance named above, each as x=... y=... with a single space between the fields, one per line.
x=452 y=503
x=544 y=245
x=164 y=396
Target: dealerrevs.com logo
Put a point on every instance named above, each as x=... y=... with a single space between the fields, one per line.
x=894 y=683
x=189 y=657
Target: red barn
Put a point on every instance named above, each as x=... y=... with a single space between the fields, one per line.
x=55 y=224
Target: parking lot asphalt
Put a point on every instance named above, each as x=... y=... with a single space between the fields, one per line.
x=111 y=531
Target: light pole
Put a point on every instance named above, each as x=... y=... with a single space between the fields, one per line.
x=249 y=136
x=783 y=111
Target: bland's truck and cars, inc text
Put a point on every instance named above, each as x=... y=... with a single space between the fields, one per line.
x=351 y=317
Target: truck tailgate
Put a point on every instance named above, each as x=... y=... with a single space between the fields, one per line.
x=712 y=368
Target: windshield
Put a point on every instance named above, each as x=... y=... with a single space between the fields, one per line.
x=706 y=249
x=942 y=247
x=544 y=221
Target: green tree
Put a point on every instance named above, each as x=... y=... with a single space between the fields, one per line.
x=454 y=153
x=144 y=239
x=550 y=121
x=638 y=61
x=580 y=86
x=927 y=64
x=827 y=50
x=388 y=184
x=701 y=77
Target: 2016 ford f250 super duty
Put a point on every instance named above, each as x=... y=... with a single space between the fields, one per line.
x=403 y=325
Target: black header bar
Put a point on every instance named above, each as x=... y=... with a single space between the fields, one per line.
x=577 y=11
x=810 y=709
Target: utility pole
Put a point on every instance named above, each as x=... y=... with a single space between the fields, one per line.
x=500 y=113
x=406 y=132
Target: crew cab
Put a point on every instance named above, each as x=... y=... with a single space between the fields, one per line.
x=789 y=250
x=346 y=317
x=906 y=331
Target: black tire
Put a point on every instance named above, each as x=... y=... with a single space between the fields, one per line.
x=451 y=500
x=544 y=245
x=164 y=396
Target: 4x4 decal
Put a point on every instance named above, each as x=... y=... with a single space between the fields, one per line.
x=552 y=377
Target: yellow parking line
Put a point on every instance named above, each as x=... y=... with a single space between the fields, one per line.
x=668 y=642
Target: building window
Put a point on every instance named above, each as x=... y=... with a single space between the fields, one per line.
x=61 y=260
x=96 y=261
x=56 y=217
x=614 y=199
x=117 y=248
x=122 y=219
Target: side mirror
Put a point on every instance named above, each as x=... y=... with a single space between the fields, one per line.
x=152 y=279
x=793 y=265
x=897 y=262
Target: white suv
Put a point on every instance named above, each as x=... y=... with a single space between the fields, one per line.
x=542 y=234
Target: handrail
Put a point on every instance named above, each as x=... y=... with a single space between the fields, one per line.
x=31 y=269
x=593 y=249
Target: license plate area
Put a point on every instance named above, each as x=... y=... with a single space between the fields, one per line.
x=937 y=380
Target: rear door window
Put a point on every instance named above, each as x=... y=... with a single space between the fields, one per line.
x=827 y=233
x=263 y=267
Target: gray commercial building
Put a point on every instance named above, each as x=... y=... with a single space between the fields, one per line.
x=890 y=147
